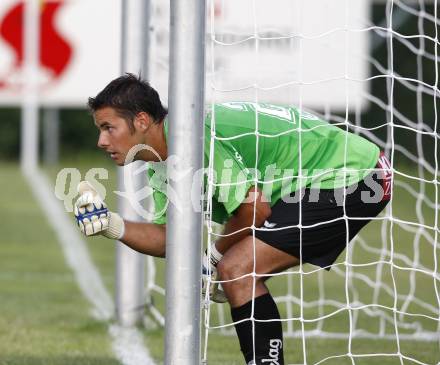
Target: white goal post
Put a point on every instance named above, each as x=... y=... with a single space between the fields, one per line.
x=183 y=240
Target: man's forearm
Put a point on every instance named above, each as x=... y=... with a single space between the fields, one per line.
x=147 y=238
x=255 y=211
x=236 y=229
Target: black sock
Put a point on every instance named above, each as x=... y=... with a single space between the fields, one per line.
x=268 y=335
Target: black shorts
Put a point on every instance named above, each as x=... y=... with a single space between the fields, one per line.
x=324 y=229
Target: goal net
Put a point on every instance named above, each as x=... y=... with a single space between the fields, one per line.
x=372 y=69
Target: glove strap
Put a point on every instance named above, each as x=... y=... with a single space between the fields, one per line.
x=116 y=227
x=216 y=256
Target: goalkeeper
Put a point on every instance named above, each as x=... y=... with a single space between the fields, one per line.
x=305 y=186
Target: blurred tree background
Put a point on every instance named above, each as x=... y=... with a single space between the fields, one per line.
x=413 y=58
x=78 y=133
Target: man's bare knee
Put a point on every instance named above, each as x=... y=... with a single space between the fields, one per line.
x=230 y=270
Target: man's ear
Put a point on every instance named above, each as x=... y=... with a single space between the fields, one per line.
x=142 y=121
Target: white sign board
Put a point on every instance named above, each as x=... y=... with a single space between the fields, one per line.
x=79 y=51
x=285 y=51
x=303 y=53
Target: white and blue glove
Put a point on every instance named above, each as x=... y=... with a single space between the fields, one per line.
x=209 y=274
x=92 y=215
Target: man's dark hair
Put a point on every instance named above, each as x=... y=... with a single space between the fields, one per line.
x=129 y=95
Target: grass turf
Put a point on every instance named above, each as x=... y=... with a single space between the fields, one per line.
x=44 y=318
x=225 y=349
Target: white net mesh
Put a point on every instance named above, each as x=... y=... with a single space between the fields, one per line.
x=372 y=69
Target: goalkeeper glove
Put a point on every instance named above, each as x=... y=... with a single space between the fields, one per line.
x=209 y=274
x=92 y=214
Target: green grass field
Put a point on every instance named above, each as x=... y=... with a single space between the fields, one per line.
x=45 y=320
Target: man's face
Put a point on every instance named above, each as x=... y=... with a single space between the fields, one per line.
x=115 y=136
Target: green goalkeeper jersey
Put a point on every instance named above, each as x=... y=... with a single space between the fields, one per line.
x=280 y=149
